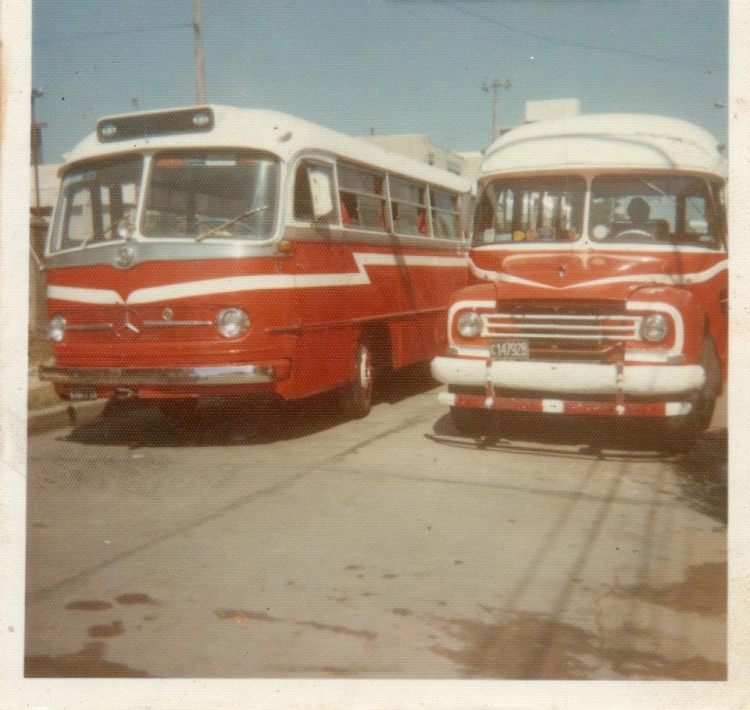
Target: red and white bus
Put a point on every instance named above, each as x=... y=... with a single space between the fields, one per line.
x=215 y=251
x=600 y=253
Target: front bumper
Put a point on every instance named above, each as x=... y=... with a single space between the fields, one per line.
x=571 y=379
x=163 y=378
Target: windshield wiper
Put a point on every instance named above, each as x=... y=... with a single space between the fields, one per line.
x=105 y=232
x=654 y=188
x=230 y=222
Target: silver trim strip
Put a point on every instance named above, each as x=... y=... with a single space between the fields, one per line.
x=90 y=326
x=156 y=250
x=207 y=376
x=170 y=323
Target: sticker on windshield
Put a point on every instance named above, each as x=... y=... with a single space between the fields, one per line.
x=211 y=162
x=546 y=234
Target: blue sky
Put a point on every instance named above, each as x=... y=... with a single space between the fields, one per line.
x=398 y=66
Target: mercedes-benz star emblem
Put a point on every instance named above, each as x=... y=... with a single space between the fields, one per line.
x=129 y=327
x=125 y=256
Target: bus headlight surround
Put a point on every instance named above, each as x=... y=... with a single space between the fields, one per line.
x=469 y=325
x=56 y=328
x=232 y=322
x=654 y=328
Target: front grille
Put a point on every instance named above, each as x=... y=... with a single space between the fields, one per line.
x=142 y=323
x=563 y=331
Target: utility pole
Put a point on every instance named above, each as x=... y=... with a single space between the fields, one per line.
x=200 y=70
x=36 y=141
x=496 y=85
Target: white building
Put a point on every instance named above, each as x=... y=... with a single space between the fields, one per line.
x=418 y=146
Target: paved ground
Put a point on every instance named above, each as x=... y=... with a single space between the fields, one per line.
x=388 y=547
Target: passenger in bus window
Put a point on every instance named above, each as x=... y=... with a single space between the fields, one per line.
x=349 y=212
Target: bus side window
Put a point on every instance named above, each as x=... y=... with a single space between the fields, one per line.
x=445 y=214
x=408 y=211
x=362 y=197
x=303 y=197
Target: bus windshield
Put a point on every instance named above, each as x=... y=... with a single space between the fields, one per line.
x=211 y=195
x=96 y=198
x=541 y=209
x=643 y=209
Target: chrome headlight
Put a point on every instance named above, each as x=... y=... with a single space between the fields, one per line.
x=469 y=325
x=56 y=328
x=232 y=322
x=654 y=328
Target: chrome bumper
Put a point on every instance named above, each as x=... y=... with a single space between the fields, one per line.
x=568 y=378
x=125 y=377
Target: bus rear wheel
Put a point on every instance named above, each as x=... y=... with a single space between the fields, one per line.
x=356 y=397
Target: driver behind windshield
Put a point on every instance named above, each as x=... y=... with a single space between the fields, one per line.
x=639 y=212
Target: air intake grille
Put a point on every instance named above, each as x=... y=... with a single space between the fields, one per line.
x=580 y=334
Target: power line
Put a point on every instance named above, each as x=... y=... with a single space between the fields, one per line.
x=572 y=44
x=139 y=30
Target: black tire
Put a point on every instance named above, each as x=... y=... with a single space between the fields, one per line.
x=180 y=411
x=355 y=398
x=679 y=436
x=705 y=404
x=681 y=433
x=470 y=422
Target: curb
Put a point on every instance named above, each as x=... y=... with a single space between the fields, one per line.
x=41 y=421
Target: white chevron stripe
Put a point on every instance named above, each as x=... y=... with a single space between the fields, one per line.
x=264 y=282
x=84 y=295
x=666 y=279
x=209 y=287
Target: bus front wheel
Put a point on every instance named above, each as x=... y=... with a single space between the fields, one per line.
x=469 y=422
x=706 y=403
x=356 y=396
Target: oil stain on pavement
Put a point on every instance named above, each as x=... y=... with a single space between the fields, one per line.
x=89 y=662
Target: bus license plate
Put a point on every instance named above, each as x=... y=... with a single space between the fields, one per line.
x=81 y=395
x=509 y=350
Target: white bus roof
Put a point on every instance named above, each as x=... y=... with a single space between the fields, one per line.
x=605 y=141
x=271 y=131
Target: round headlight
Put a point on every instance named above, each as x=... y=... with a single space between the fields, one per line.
x=232 y=322
x=654 y=328
x=56 y=328
x=469 y=325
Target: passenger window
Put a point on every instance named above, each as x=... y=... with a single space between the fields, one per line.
x=362 y=198
x=446 y=222
x=303 y=198
x=408 y=208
